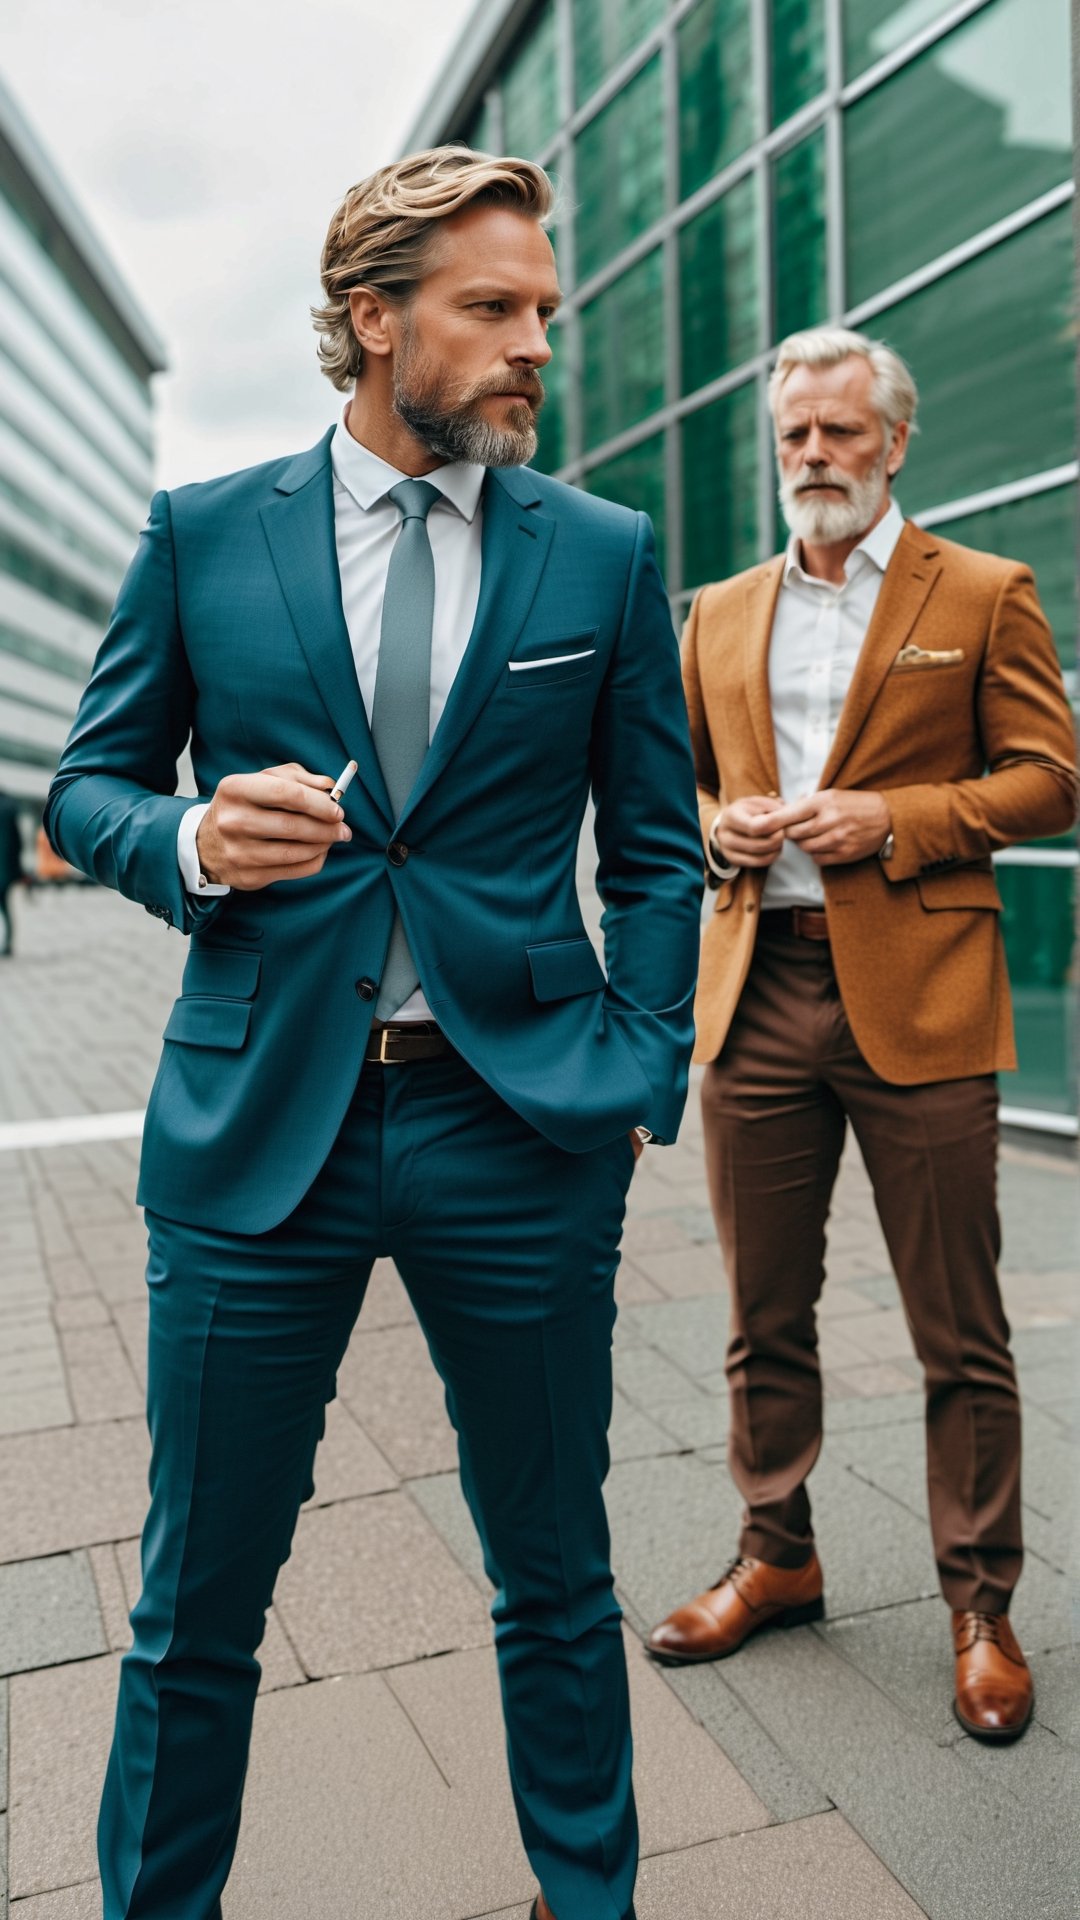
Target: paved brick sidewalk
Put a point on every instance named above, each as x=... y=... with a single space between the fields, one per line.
x=818 y=1775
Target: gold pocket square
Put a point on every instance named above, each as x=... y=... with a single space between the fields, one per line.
x=911 y=656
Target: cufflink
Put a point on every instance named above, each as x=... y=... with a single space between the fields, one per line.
x=203 y=881
x=886 y=851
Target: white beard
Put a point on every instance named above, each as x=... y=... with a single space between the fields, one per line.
x=824 y=522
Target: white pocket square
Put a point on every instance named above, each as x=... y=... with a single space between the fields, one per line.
x=553 y=660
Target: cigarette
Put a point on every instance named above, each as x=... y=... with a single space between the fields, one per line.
x=343 y=782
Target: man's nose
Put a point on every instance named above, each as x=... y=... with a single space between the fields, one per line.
x=531 y=347
x=814 y=453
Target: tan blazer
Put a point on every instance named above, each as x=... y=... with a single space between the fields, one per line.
x=973 y=750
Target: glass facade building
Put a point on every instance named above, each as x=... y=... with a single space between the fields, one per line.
x=732 y=170
x=76 y=452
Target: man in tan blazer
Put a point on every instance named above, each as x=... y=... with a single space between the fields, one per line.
x=873 y=712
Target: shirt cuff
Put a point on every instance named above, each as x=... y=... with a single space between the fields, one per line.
x=187 y=854
x=718 y=867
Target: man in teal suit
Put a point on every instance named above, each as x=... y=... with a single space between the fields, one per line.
x=394 y=1036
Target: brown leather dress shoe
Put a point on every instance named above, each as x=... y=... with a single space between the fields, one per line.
x=751 y=1595
x=994 y=1694
x=540 y=1909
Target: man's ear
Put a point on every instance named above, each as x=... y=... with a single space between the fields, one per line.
x=370 y=316
x=898 y=447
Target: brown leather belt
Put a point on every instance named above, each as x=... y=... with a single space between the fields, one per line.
x=806 y=923
x=395 y=1046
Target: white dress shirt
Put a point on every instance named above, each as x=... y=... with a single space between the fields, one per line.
x=818 y=631
x=366 y=525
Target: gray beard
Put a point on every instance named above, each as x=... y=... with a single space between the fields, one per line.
x=458 y=432
x=826 y=522
x=466 y=435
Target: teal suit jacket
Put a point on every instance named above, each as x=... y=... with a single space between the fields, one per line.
x=229 y=628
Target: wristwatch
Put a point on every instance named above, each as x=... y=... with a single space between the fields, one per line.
x=719 y=868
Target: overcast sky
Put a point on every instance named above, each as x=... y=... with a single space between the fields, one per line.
x=209 y=141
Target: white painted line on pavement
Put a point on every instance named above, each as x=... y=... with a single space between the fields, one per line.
x=72 y=1130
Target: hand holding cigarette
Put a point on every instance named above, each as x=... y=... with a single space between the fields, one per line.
x=275 y=825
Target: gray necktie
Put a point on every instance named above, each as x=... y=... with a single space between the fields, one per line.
x=400 y=716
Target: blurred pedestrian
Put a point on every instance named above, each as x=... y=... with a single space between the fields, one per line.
x=395 y=1037
x=873 y=712
x=11 y=868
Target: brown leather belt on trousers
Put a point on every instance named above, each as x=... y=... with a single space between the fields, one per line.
x=806 y=923
x=395 y=1046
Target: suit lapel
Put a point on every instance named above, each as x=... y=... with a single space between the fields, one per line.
x=514 y=548
x=299 y=526
x=911 y=573
x=762 y=592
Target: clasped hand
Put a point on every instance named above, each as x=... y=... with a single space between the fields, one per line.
x=834 y=827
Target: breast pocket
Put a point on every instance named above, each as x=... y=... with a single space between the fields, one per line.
x=552 y=663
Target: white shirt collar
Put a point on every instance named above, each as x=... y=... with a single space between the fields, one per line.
x=878 y=545
x=370 y=479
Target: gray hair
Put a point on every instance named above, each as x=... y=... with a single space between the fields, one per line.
x=895 y=393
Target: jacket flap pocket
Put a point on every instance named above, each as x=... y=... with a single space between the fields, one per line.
x=562 y=968
x=222 y=971
x=209 y=1023
x=963 y=887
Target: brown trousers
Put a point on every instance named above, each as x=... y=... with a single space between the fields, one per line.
x=776 y=1104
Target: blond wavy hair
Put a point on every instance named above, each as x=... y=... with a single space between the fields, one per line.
x=382 y=234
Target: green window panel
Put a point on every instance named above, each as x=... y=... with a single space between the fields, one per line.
x=605 y=31
x=551 y=453
x=68 y=536
x=25 y=754
x=991 y=105
x=992 y=348
x=530 y=88
x=29 y=567
x=721 y=299
x=799 y=246
x=481 y=131
x=620 y=171
x=716 y=90
x=1039 y=927
x=622 y=348
x=636 y=479
x=1040 y=531
x=873 y=28
x=720 y=487
x=798 y=55
x=42 y=653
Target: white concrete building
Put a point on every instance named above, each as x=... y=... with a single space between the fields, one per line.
x=76 y=450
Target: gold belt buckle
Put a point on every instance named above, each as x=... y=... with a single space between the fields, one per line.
x=384 y=1058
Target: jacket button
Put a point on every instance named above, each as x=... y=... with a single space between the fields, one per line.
x=365 y=989
x=397 y=853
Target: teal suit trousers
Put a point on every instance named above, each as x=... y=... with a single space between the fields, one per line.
x=505 y=1243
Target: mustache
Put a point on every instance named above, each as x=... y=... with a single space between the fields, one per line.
x=812 y=479
x=518 y=381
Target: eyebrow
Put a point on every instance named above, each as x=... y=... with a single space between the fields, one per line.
x=801 y=426
x=551 y=299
